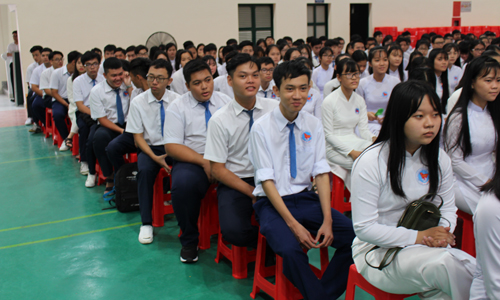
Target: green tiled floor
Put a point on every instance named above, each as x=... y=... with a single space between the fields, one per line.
x=79 y=251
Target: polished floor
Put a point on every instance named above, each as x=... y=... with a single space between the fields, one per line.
x=57 y=242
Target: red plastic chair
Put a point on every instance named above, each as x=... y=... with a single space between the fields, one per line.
x=283 y=289
x=468 y=240
x=162 y=204
x=356 y=279
x=76 y=145
x=239 y=257
x=48 y=122
x=340 y=195
x=56 y=136
x=100 y=176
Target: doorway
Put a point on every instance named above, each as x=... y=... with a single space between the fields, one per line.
x=359 y=20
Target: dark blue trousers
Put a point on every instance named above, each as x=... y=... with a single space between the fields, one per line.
x=59 y=113
x=306 y=209
x=102 y=137
x=235 y=213
x=148 y=170
x=118 y=147
x=38 y=108
x=189 y=186
x=29 y=102
x=84 y=136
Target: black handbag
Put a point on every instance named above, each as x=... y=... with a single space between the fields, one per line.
x=419 y=215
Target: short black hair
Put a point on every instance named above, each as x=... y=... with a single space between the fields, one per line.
x=73 y=55
x=370 y=39
x=237 y=60
x=140 y=66
x=309 y=39
x=359 y=55
x=322 y=38
x=15 y=31
x=190 y=46
x=53 y=53
x=112 y=63
x=110 y=47
x=324 y=50
x=287 y=38
x=139 y=48
x=289 y=70
x=125 y=65
x=130 y=48
x=315 y=42
x=96 y=50
x=435 y=37
x=231 y=42
x=36 y=48
x=266 y=60
x=406 y=33
x=119 y=49
x=456 y=31
x=209 y=47
x=288 y=53
x=230 y=56
x=162 y=64
x=244 y=44
x=186 y=44
x=377 y=33
x=403 y=39
x=226 y=50
x=332 y=42
x=90 y=55
x=47 y=50
x=448 y=35
x=194 y=66
x=298 y=42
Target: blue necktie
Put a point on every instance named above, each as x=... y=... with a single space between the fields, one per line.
x=265 y=94
x=119 y=108
x=207 y=111
x=162 y=116
x=250 y=114
x=93 y=82
x=293 y=158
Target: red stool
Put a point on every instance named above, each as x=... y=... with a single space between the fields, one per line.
x=48 y=122
x=356 y=279
x=56 y=136
x=76 y=145
x=283 y=289
x=132 y=158
x=468 y=240
x=339 y=193
x=240 y=257
x=161 y=202
x=100 y=177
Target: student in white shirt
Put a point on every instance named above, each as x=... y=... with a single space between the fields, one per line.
x=141 y=51
x=220 y=83
x=438 y=62
x=227 y=151
x=455 y=72
x=36 y=52
x=423 y=47
x=404 y=164
x=38 y=105
x=316 y=47
x=471 y=131
x=178 y=84
x=274 y=52
x=186 y=122
x=266 y=69
x=60 y=104
x=130 y=51
x=395 y=55
x=286 y=149
x=212 y=63
x=404 y=43
x=343 y=111
x=109 y=51
x=376 y=88
x=361 y=59
x=324 y=72
x=146 y=125
x=171 y=50
x=138 y=70
x=486 y=283
x=222 y=68
x=56 y=60
x=109 y=105
x=334 y=84
x=86 y=125
x=79 y=70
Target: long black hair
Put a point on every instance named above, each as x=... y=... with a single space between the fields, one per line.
x=76 y=73
x=406 y=98
x=396 y=47
x=477 y=68
x=444 y=75
x=178 y=57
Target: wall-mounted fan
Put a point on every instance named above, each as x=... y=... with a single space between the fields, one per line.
x=159 y=38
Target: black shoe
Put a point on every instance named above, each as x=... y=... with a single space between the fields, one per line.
x=189 y=254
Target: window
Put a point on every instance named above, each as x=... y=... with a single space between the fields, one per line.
x=255 y=21
x=317 y=20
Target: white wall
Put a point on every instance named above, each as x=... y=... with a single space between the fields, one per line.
x=7 y=25
x=67 y=25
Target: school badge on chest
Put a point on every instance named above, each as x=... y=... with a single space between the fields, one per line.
x=385 y=94
x=125 y=93
x=309 y=98
x=273 y=96
x=306 y=136
x=423 y=176
x=356 y=111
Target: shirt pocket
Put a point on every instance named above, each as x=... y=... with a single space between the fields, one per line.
x=305 y=162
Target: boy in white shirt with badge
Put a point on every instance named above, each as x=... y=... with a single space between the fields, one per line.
x=186 y=130
x=287 y=148
x=227 y=151
x=266 y=66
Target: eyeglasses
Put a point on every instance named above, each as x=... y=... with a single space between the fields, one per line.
x=351 y=75
x=91 y=65
x=158 y=79
x=58 y=59
x=267 y=70
x=478 y=50
x=327 y=56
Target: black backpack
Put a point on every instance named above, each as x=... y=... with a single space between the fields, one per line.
x=126 y=198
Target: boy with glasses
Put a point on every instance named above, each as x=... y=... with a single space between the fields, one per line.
x=266 y=65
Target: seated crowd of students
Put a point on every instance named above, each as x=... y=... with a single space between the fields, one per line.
x=393 y=122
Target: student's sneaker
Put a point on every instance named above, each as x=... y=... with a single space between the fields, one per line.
x=189 y=254
x=29 y=121
x=84 y=168
x=90 y=182
x=63 y=147
x=35 y=129
x=146 y=234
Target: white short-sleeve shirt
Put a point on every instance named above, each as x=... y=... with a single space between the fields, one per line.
x=37 y=72
x=178 y=84
x=228 y=132
x=267 y=93
x=321 y=76
x=269 y=152
x=45 y=79
x=102 y=100
x=30 y=70
x=58 y=81
x=221 y=85
x=185 y=120
x=136 y=92
x=83 y=85
x=145 y=116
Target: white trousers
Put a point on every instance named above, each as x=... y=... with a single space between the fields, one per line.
x=432 y=273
